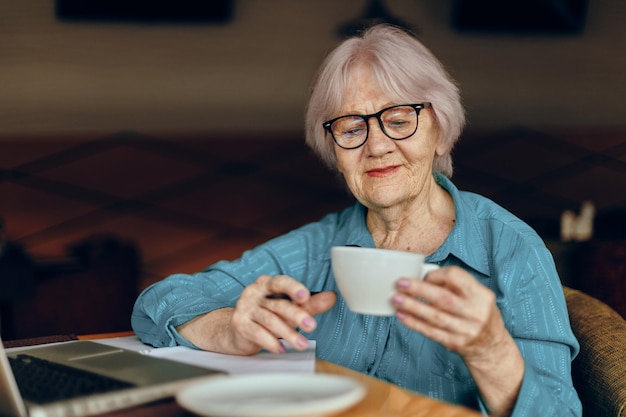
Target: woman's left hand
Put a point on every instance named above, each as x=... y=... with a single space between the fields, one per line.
x=451 y=307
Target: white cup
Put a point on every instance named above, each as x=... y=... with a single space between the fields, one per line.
x=367 y=277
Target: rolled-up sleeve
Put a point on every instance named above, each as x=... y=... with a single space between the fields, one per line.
x=163 y=306
x=167 y=304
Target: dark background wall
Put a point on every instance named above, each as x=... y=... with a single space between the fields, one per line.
x=181 y=143
x=251 y=73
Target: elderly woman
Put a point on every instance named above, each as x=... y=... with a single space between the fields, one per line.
x=489 y=329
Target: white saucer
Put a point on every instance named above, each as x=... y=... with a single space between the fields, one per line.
x=271 y=395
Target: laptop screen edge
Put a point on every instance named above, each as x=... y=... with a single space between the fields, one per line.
x=11 y=402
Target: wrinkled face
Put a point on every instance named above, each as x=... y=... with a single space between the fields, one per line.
x=385 y=172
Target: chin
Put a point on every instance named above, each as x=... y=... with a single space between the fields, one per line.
x=385 y=200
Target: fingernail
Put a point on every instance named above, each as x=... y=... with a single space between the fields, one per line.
x=308 y=322
x=397 y=299
x=302 y=342
x=403 y=283
x=301 y=294
x=400 y=315
x=282 y=349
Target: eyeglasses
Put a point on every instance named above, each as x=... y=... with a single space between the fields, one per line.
x=397 y=122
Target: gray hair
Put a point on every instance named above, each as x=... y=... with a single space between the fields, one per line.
x=405 y=68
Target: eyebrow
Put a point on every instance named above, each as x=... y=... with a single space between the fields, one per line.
x=357 y=113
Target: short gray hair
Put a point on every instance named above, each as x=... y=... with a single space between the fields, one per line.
x=405 y=68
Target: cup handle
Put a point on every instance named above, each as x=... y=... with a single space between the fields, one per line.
x=426 y=268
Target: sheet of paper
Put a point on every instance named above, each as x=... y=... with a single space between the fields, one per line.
x=290 y=361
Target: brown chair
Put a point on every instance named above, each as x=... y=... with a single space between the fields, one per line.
x=599 y=370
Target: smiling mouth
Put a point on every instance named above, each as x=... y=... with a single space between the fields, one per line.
x=382 y=172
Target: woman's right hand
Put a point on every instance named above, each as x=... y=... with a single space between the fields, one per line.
x=257 y=322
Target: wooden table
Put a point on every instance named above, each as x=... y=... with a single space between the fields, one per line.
x=383 y=399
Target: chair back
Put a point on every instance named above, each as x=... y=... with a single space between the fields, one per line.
x=599 y=370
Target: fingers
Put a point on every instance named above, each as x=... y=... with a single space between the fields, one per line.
x=451 y=331
x=450 y=306
x=285 y=285
x=450 y=340
x=264 y=328
x=263 y=321
x=451 y=290
x=291 y=313
x=321 y=302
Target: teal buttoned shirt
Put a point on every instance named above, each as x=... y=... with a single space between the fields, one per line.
x=497 y=248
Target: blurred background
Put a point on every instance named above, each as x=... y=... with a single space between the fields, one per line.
x=250 y=71
x=139 y=139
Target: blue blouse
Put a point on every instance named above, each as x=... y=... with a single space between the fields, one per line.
x=497 y=248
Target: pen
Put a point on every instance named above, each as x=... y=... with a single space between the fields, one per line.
x=284 y=296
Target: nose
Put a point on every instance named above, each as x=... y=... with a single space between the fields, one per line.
x=378 y=143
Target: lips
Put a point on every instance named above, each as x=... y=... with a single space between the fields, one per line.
x=383 y=171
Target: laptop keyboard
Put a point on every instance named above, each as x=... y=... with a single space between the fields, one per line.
x=41 y=381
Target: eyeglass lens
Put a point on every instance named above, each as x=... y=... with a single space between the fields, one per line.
x=397 y=122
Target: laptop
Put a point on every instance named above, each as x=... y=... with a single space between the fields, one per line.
x=109 y=378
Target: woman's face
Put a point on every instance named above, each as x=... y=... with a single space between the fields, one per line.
x=384 y=172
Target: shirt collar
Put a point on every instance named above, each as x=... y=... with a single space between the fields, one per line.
x=467 y=240
x=357 y=227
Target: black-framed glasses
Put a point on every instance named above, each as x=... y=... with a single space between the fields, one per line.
x=397 y=122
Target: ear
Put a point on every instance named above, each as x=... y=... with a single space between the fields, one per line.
x=442 y=147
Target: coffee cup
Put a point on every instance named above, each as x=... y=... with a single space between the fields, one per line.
x=366 y=277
